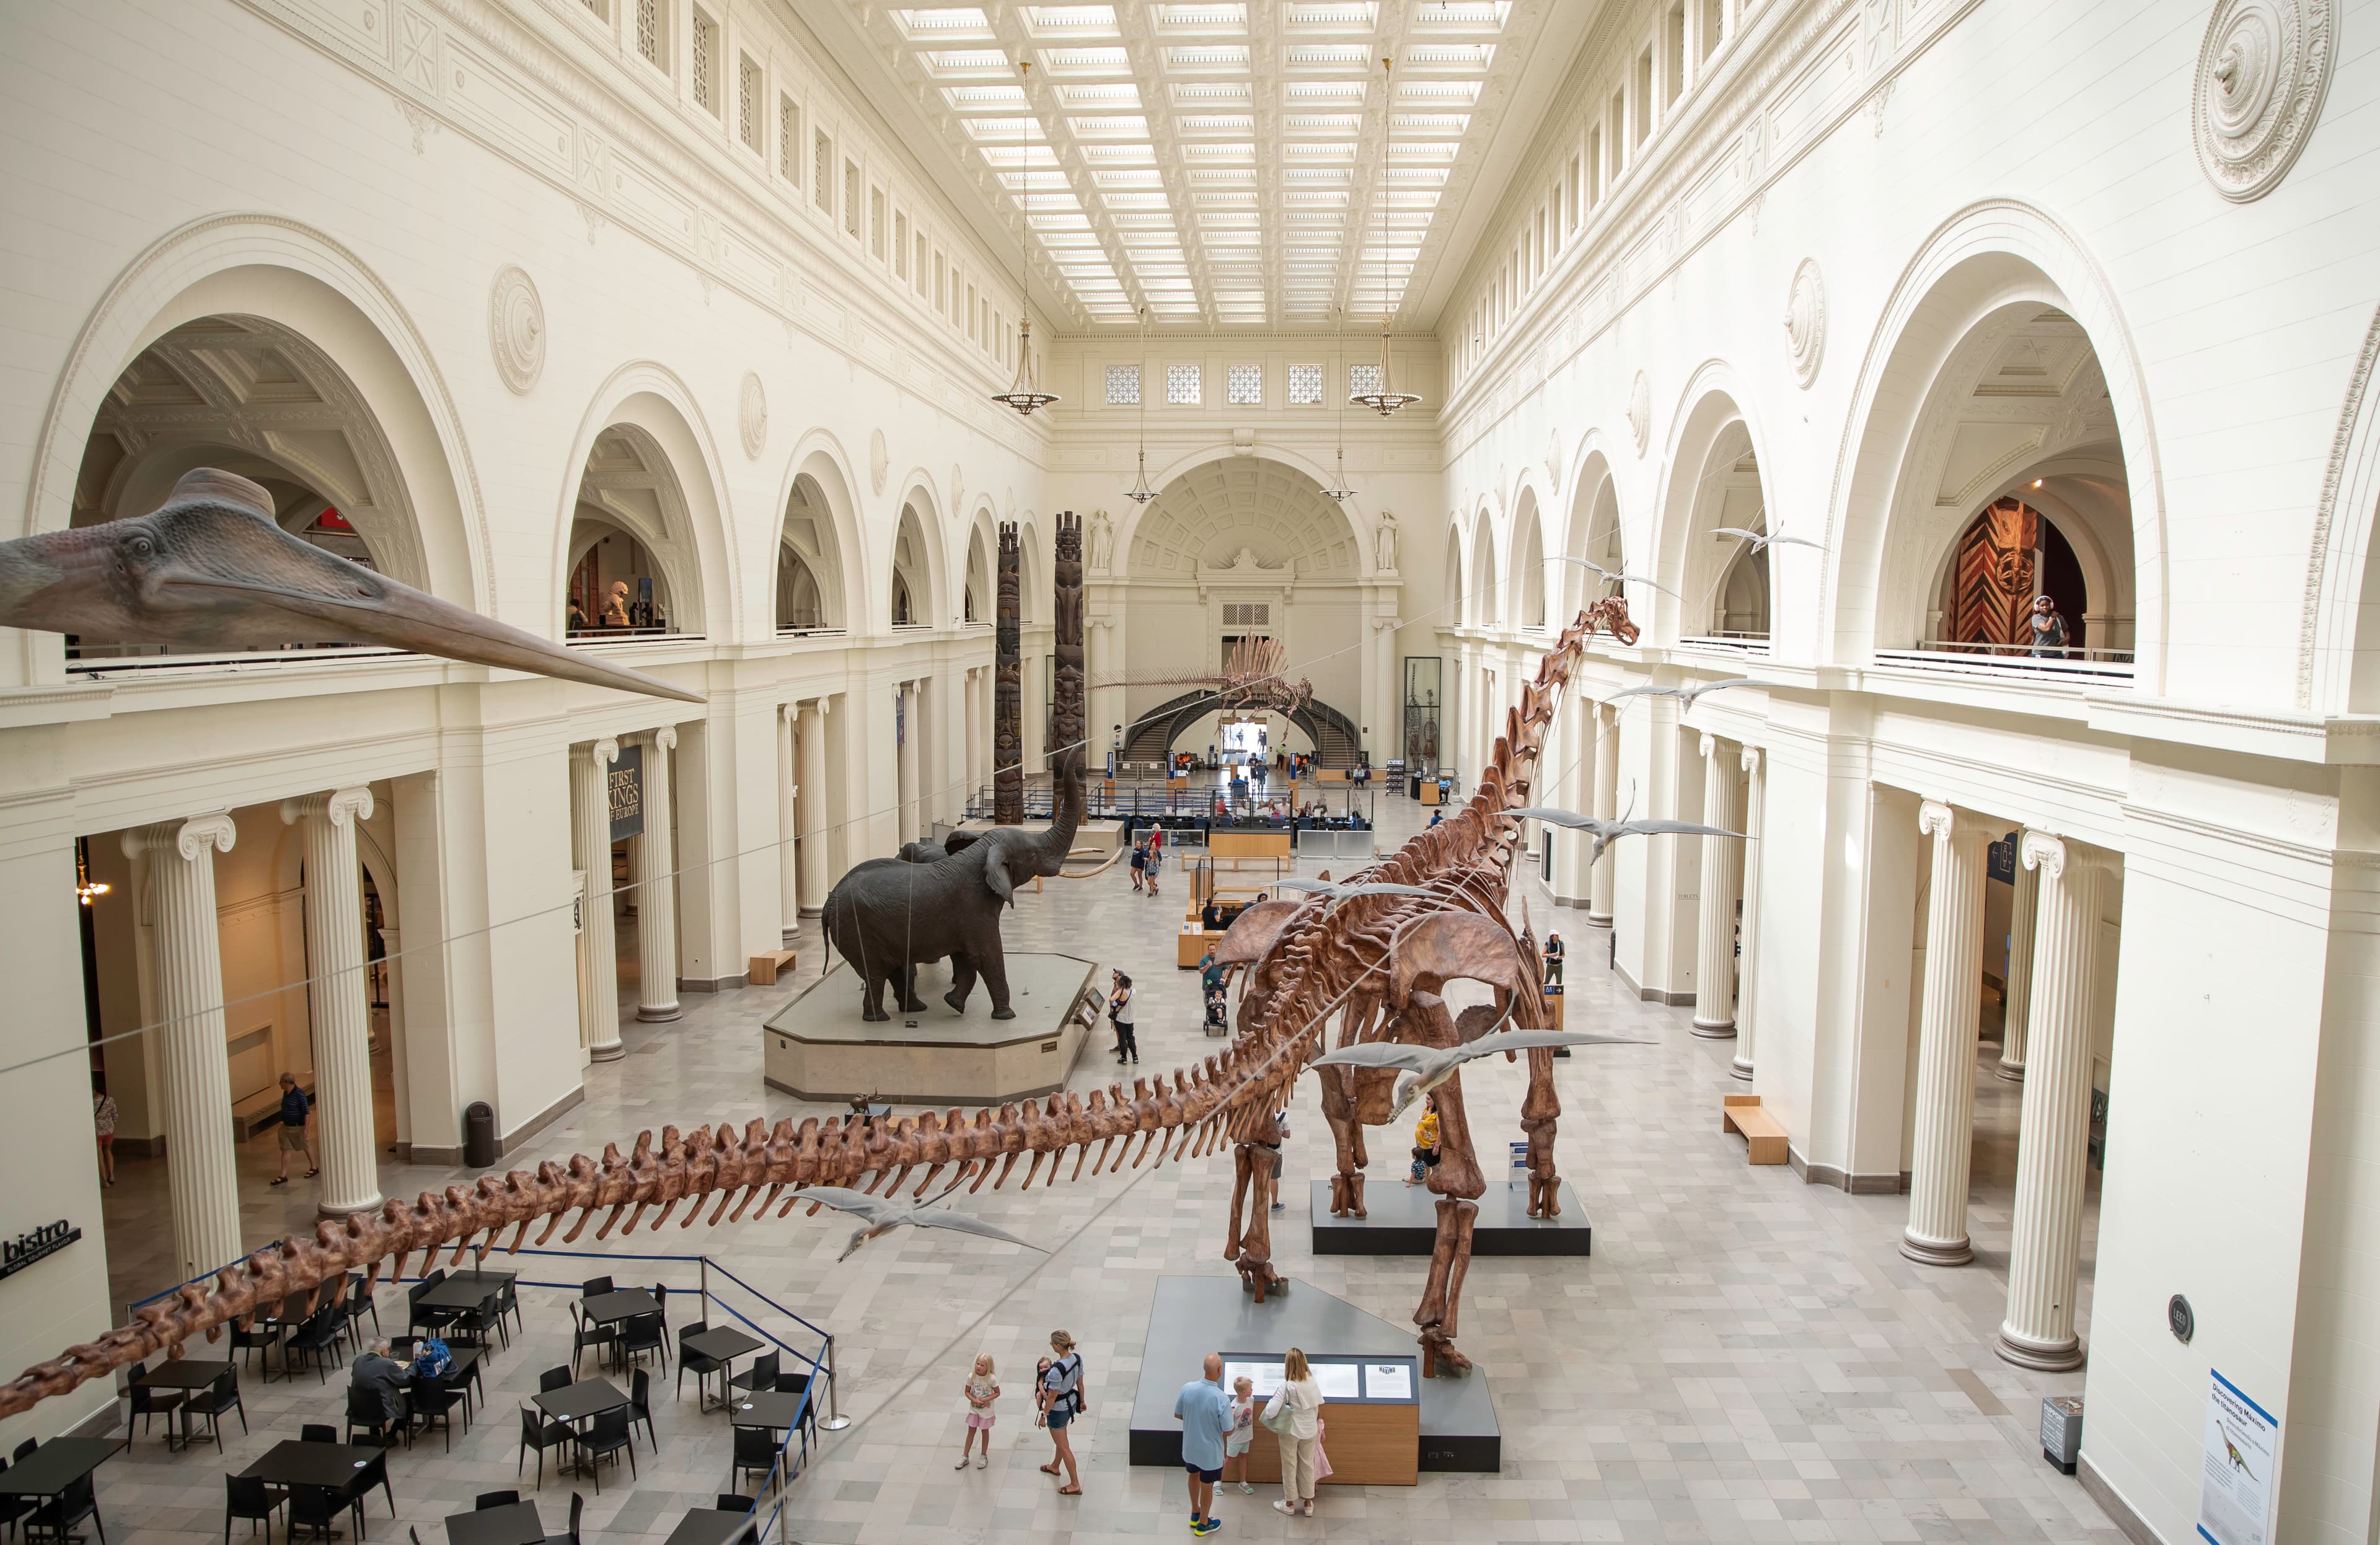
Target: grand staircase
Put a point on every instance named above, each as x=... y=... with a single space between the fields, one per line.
x=1336 y=737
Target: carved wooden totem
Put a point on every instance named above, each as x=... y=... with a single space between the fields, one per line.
x=1066 y=692
x=1007 y=696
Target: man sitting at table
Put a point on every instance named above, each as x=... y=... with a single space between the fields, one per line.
x=385 y=1377
x=1211 y=916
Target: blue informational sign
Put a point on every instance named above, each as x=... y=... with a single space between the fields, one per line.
x=2000 y=861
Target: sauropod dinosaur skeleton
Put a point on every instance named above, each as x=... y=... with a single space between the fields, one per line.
x=1377 y=962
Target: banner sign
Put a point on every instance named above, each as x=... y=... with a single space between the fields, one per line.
x=627 y=793
x=2235 y=1487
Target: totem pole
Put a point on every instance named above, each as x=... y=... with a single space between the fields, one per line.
x=1067 y=691
x=1007 y=698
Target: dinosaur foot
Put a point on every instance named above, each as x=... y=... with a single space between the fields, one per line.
x=1258 y=1276
x=1439 y=1357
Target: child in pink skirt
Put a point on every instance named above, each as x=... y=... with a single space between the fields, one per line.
x=981 y=1391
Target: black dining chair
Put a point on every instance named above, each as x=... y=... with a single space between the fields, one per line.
x=248 y=1497
x=538 y=1433
x=660 y=1302
x=641 y=1405
x=12 y=1508
x=473 y=1325
x=374 y=1473
x=318 y=1338
x=607 y=1434
x=145 y=1402
x=642 y=1335
x=594 y=1285
x=584 y=1334
x=508 y=1303
x=428 y=1317
x=318 y=1433
x=359 y=1303
x=760 y=1377
x=258 y=1338
x=25 y=1449
x=577 y=1507
x=554 y=1379
x=756 y=1452
x=364 y=1412
x=63 y=1512
x=493 y=1499
x=432 y=1401
x=796 y=1383
x=316 y=1510
x=215 y=1400
x=690 y=1360
x=735 y=1501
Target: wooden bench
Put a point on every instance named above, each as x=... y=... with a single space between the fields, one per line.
x=766 y=968
x=1742 y=1112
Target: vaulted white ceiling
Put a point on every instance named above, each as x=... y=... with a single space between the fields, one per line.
x=1251 y=163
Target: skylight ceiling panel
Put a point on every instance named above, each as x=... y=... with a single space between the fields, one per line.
x=1438 y=93
x=1119 y=95
x=1313 y=197
x=1329 y=124
x=1206 y=56
x=1119 y=126
x=1420 y=125
x=1325 y=93
x=1199 y=125
x=1086 y=61
x=1221 y=150
x=1219 y=199
x=954 y=64
x=1045 y=185
x=1119 y=155
x=1070 y=20
x=1450 y=58
x=1334 y=57
x=1211 y=93
x=1332 y=17
x=1462 y=15
x=1210 y=177
x=1307 y=151
x=940 y=23
x=1135 y=209
x=1309 y=176
x=977 y=99
x=1126 y=177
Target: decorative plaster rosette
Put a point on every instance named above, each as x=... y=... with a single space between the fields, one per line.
x=879 y=459
x=1640 y=412
x=517 y=330
x=2261 y=75
x=752 y=415
x=1806 y=320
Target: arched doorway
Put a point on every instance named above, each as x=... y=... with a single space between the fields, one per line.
x=809 y=578
x=632 y=567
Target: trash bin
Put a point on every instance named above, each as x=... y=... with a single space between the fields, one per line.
x=478 y=1135
x=1413 y=787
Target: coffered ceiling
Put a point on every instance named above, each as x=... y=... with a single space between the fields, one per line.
x=1270 y=162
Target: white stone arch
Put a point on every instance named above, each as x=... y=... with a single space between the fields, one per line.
x=2084 y=495
x=646 y=405
x=1033 y=567
x=1457 y=606
x=294 y=277
x=1990 y=258
x=1705 y=484
x=1594 y=529
x=916 y=559
x=978 y=568
x=1360 y=517
x=2338 y=653
x=1529 y=591
x=1488 y=591
x=819 y=518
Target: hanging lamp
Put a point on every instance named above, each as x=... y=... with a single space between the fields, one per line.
x=1384 y=398
x=1140 y=492
x=1021 y=394
x=1339 y=490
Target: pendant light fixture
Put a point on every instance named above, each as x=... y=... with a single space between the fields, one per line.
x=1339 y=490
x=1140 y=492
x=1384 y=398
x=1021 y=395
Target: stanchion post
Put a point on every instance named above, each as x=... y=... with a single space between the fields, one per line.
x=836 y=1421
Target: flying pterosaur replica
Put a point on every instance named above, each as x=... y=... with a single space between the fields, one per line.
x=210 y=569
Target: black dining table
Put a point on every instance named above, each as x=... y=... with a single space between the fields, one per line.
x=465 y=1290
x=295 y=1462
x=765 y=1408
x=56 y=1465
x=513 y=1524
x=184 y=1373
x=723 y=1343
x=712 y=1526
x=607 y=1308
x=576 y=1403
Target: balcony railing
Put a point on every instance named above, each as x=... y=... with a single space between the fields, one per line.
x=2005 y=661
x=1727 y=643
x=100 y=661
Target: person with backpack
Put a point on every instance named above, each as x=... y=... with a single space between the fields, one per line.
x=1062 y=1396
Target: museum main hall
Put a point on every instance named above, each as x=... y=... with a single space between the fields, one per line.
x=1441 y=771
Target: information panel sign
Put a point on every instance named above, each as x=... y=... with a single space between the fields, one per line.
x=2235 y=1487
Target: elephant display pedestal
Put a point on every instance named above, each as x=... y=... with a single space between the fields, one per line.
x=1403 y=1221
x=1104 y=835
x=1192 y=1315
x=817 y=1047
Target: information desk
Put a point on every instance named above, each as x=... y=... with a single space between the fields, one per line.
x=1192 y=944
x=1259 y=844
x=1371 y=1416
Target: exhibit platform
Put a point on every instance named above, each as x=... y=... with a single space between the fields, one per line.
x=1403 y=1221
x=818 y=1048
x=1192 y=1315
x=1104 y=835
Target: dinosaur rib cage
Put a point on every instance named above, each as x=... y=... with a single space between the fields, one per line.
x=1320 y=956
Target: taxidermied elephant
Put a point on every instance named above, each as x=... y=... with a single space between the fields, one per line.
x=888 y=916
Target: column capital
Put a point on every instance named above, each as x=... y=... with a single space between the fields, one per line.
x=665 y=737
x=605 y=752
x=2049 y=854
x=1751 y=755
x=340 y=807
x=1709 y=745
x=189 y=838
x=1936 y=818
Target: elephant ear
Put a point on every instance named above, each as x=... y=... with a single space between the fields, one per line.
x=995 y=869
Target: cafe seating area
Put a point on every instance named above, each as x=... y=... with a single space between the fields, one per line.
x=566 y=1387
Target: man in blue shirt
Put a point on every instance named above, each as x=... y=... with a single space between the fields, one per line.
x=295 y=1137
x=1204 y=1411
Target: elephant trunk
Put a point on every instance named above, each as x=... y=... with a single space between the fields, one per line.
x=1050 y=848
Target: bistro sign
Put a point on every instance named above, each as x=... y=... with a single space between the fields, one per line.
x=25 y=1249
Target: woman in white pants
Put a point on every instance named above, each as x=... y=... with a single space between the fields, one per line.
x=1302 y=1398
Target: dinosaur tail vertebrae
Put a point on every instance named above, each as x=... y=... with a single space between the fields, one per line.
x=713 y=1174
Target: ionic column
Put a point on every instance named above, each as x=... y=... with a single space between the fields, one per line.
x=1715 y=913
x=1937 y=1234
x=1756 y=775
x=2054 y=1124
x=2017 y=999
x=655 y=854
x=335 y=995
x=590 y=838
x=202 y=1181
x=810 y=805
x=1607 y=808
x=789 y=866
x=905 y=780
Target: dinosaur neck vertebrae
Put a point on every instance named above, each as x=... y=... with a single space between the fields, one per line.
x=1311 y=960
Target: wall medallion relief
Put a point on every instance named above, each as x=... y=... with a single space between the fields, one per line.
x=1640 y=412
x=517 y=330
x=752 y=415
x=1805 y=321
x=2261 y=75
x=879 y=459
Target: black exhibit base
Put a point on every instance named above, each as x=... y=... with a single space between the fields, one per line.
x=1192 y=1315
x=1403 y=1221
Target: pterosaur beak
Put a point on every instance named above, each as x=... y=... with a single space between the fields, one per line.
x=211 y=569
